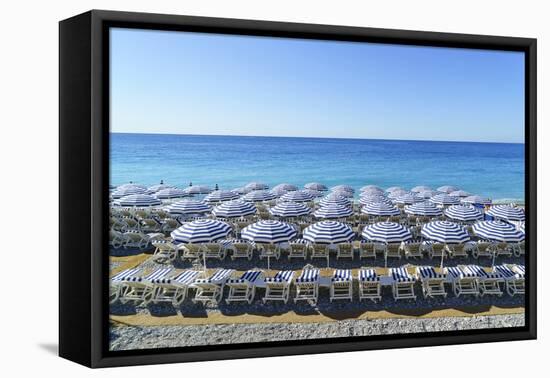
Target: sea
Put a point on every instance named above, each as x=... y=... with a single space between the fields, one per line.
x=494 y=170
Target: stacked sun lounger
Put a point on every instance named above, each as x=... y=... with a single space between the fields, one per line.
x=433 y=283
x=369 y=285
x=307 y=286
x=277 y=288
x=341 y=285
x=244 y=288
x=514 y=278
x=210 y=289
x=403 y=283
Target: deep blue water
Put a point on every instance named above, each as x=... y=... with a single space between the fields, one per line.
x=495 y=170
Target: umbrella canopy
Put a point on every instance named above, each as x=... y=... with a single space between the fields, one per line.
x=171 y=193
x=256 y=186
x=394 y=188
x=286 y=187
x=426 y=194
x=521 y=226
x=343 y=193
x=397 y=193
x=507 y=212
x=241 y=190
x=138 y=200
x=374 y=198
x=448 y=188
x=289 y=209
x=445 y=232
x=269 y=231
x=444 y=199
x=298 y=196
x=345 y=188
x=333 y=211
x=278 y=192
x=198 y=189
x=221 y=196
x=128 y=190
x=477 y=200
x=188 y=207
x=259 y=196
x=420 y=189
x=334 y=199
x=409 y=199
x=463 y=213
x=387 y=232
x=316 y=186
x=201 y=231
x=372 y=188
x=131 y=185
x=314 y=193
x=460 y=193
x=234 y=209
x=380 y=209
x=328 y=232
x=498 y=231
x=156 y=188
x=426 y=209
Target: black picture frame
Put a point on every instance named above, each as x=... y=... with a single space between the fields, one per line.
x=84 y=172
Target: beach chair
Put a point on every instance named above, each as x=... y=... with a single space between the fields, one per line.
x=482 y=249
x=298 y=249
x=117 y=280
x=488 y=283
x=366 y=249
x=369 y=285
x=169 y=225
x=307 y=285
x=518 y=248
x=131 y=224
x=344 y=250
x=393 y=250
x=514 y=282
x=136 y=239
x=243 y=289
x=433 y=283
x=502 y=249
x=165 y=251
x=277 y=288
x=320 y=251
x=269 y=250
x=175 y=289
x=414 y=249
x=241 y=248
x=192 y=251
x=341 y=285
x=149 y=225
x=214 y=251
x=211 y=289
x=116 y=239
x=140 y=290
x=402 y=283
x=463 y=282
x=459 y=250
x=117 y=224
x=437 y=250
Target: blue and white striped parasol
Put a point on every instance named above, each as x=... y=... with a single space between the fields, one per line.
x=386 y=232
x=298 y=196
x=328 y=232
x=448 y=188
x=445 y=232
x=131 y=185
x=380 y=209
x=464 y=213
x=394 y=188
x=169 y=193
x=427 y=194
x=256 y=186
x=521 y=226
x=426 y=209
x=460 y=193
x=334 y=199
x=269 y=231
x=201 y=231
x=343 y=193
x=241 y=190
x=289 y=209
x=444 y=199
x=221 y=196
x=345 y=188
x=138 y=200
x=420 y=189
x=314 y=193
x=127 y=191
x=498 y=231
x=397 y=193
x=286 y=187
x=198 y=189
x=278 y=192
x=374 y=198
x=333 y=211
x=188 y=207
x=507 y=212
x=372 y=189
x=259 y=196
x=409 y=199
x=477 y=200
x=234 y=209
x=155 y=188
x=316 y=186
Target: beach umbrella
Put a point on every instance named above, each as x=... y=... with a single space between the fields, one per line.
x=372 y=191
x=397 y=193
x=477 y=200
x=131 y=185
x=201 y=231
x=521 y=226
x=448 y=188
x=507 y=212
x=409 y=199
x=269 y=231
x=314 y=193
x=188 y=207
x=363 y=200
x=289 y=209
x=460 y=193
x=334 y=199
x=345 y=188
x=259 y=196
x=386 y=232
x=298 y=196
x=444 y=199
x=371 y=188
x=316 y=186
x=425 y=209
x=256 y=186
x=127 y=190
x=498 y=231
x=278 y=192
x=333 y=211
x=155 y=188
x=171 y=193
x=234 y=209
x=241 y=190
x=198 y=189
x=343 y=193
x=463 y=213
x=138 y=200
x=286 y=187
x=380 y=209
x=420 y=189
x=445 y=232
x=221 y=196
x=394 y=188
x=328 y=232
x=426 y=194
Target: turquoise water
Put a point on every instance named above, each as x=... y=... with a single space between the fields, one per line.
x=495 y=170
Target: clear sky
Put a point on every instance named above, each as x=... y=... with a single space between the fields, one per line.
x=191 y=83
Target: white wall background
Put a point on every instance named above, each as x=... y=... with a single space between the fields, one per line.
x=29 y=144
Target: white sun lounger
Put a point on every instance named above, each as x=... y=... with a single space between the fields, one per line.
x=307 y=286
x=243 y=289
x=433 y=283
x=240 y=248
x=277 y=288
x=464 y=282
x=269 y=250
x=482 y=248
x=174 y=289
x=118 y=279
x=298 y=249
x=514 y=282
x=165 y=250
x=488 y=283
x=344 y=250
x=211 y=289
x=369 y=285
x=402 y=283
x=141 y=289
x=459 y=250
x=341 y=285
x=214 y=251
x=116 y=239
x=366 y=249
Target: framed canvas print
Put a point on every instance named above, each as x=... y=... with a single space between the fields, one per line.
x=234 y=188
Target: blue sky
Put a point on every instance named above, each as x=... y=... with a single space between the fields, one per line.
x=190 y=83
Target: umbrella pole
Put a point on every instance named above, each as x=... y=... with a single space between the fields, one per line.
x=442 y=256
x=268 y=269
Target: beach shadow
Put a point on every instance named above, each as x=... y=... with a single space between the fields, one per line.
x=121 y=252
x=51 y=348
x=189 y=309
x=161 y=310
x=122 y=309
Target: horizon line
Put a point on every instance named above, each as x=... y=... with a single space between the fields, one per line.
x=319 y=137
